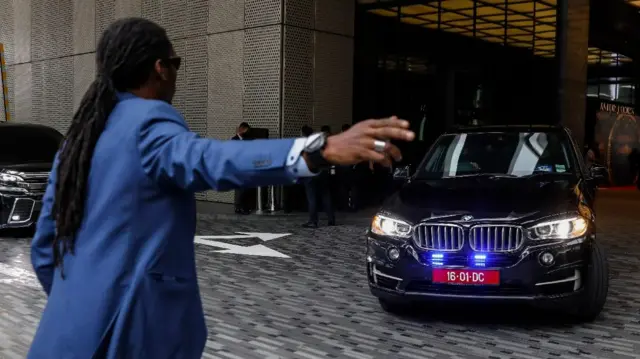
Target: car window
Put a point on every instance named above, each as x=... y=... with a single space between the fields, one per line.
x=28 y=145
x=514 y=154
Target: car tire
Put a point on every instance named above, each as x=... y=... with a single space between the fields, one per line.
x=391 y=307
x=596 y=286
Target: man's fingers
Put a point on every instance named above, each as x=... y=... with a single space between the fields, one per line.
x=389 y=122
x=392 y=133
x=371 y=155
x=393 y=151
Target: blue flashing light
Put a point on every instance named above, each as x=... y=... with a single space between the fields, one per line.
x=437 y=256
x=479 y=260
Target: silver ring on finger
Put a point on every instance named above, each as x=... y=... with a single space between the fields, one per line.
x=379 y=146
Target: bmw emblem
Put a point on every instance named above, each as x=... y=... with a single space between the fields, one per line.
x=467 y=218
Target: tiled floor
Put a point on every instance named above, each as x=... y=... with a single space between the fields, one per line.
x=316 y=303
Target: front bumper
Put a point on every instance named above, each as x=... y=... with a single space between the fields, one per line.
x=522 y=275
x=19 y=210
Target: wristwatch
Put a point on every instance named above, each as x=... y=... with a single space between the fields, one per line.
x=313 y=148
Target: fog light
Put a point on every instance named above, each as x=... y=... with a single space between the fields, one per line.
x=393 y=253
x=547 y=259
x=15 y=218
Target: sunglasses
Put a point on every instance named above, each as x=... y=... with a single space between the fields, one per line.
x=174 y=61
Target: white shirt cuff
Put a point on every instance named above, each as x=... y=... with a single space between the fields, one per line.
x=296 y=165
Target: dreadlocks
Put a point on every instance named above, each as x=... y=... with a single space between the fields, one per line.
x=125 y=57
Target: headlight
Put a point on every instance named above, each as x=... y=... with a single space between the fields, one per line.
x=386 y=226
x=568 y=228
x=9 y=179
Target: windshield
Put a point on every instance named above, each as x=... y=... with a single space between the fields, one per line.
x=22 y=145
x=508 y=154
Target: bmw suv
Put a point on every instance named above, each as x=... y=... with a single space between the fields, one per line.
x=496 y=213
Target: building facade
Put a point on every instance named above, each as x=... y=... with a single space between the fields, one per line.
x=276 y=64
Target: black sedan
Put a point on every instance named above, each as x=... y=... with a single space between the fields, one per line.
x=26 y=156
x=493 y=213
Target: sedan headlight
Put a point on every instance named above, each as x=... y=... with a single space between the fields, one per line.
x=567 y=228
x=9 y=178
x=386 y=226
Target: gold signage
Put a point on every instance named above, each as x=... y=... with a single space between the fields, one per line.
x=623 y=110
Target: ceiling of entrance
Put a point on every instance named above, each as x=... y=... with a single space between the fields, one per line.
x=520 y=23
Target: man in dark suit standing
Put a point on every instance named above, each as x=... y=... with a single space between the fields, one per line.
x=319 y=185
x=240 y=197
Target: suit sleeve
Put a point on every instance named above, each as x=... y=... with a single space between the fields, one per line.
x=173 y=155
x=42 y=243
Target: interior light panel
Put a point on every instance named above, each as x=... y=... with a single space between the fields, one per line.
x=519 y=23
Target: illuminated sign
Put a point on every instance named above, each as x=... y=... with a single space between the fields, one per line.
x=622 y=110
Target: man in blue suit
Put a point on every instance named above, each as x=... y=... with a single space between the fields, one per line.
x=114 y=247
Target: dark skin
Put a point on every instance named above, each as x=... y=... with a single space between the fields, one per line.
x=350 y=147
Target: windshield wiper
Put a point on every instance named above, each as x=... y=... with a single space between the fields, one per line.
x=545 y=174
x=493 y=175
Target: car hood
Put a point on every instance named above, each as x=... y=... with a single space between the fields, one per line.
x=28 y=167
x=508 y=199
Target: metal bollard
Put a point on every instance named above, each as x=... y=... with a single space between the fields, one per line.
x=272 y=199
x=259 y=209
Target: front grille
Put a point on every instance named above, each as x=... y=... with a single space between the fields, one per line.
x=495 y=238
x=35 y=182
x=35 y=177
x=21 y=211
x=441 y=237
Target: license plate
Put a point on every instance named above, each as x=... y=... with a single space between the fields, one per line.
x=466 y=276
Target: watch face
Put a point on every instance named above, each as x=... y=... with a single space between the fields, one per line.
x=315 y=142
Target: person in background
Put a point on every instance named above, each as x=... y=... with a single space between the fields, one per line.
x=114 y=244
x=348 y=183
x=242 y=130
x=319 y=186
x=240 y=195
x=634 y=163
x=589 y=156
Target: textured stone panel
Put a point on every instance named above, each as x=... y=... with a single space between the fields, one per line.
x=84 y=72
x=174 y=18
x=52 y=29
x=58 y=93
x=84 y=26
x=262 y=69
x=333 y=80
x=300 y=13
x=196 y=84
x=225 y=15
x=297 y=80
x=38 y=111
x=7 y=29
x=22 y=99
x=105 y=15
x=225 y=91
x=262 y=12
x=180 y=97
x=151 y=10
x=127 y=8
x=22 y=30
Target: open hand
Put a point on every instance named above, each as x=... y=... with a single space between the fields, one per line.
x=368 y=141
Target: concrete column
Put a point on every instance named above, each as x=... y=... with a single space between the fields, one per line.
x=572 y=42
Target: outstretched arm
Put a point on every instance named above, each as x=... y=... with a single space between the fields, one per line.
x=171 y=154
x=41 y=245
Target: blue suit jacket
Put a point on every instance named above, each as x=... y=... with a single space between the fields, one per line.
x=130 y=290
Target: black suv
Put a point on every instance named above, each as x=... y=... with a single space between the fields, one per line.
x=26 y=156
x=501 y=213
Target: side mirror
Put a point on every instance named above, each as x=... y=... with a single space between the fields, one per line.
x=402 y=173
x=599 y=174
